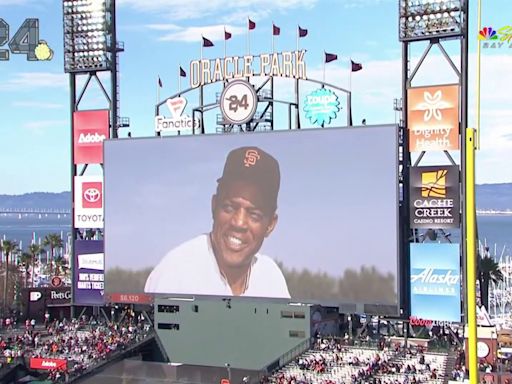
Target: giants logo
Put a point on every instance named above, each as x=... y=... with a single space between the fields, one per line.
x=90 y=128
x=251 y=157
x=91 y=195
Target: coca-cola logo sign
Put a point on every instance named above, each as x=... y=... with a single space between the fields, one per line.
x=417 y=321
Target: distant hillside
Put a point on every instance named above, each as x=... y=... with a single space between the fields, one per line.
x=36 y=200
x=488 y=196
x=494 y=196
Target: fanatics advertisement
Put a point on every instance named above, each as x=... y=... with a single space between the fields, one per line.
x=89 y=272
x=90 y=128
x=435 y=281
x=433 y=118
x=282 y=214
x=88 y=202
x=434 y=197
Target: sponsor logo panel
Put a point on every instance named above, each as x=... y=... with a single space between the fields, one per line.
x=435 y=280
x=90 y=129
x=434 y=197
x=88 y=202
x=433 y=118
x=89 y=275
x=47 y=364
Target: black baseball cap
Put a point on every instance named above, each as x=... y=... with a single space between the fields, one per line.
x=256 y=167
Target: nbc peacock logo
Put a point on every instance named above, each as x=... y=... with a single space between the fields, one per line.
x=487 y=33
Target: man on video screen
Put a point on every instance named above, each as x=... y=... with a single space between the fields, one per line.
x=227 y=261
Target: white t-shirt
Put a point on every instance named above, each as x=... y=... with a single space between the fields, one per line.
x=191 y=268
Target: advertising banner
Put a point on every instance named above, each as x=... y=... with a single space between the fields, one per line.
x=89 y=272
x=130 y=298
x=435 y=281
x=434 y=197
x=433 y=118
x=88 y=202
x=90 y=128
x=47 y=364
x=260 y=203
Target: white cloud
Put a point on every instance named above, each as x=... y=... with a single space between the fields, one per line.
x=201 y=9
x=193 y=34
x=39 y=126
x=32 y=80
x=37 y=105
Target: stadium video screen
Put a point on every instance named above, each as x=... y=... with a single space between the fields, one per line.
x=307 y=215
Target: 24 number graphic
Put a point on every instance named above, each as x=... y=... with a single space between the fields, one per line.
x=24 y=41
x=235 y=103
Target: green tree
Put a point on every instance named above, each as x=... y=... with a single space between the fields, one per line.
x=34 y=250
x=9 y=248
x=488 y=271
x=53 y=241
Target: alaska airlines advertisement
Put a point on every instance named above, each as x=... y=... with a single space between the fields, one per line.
x=435 y=281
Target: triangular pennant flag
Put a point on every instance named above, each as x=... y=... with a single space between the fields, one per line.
x=207 y=42
x=330 y=57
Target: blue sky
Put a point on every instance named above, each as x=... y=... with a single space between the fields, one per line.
x=161 y=35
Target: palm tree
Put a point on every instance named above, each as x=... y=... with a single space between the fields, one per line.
x=25 y=262
x=9 y=248
x=53 y=241
x=34 y=250
x=488 y=271
x=60 y=266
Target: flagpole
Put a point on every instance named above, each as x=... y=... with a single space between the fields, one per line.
x=323 y=77
x=225 y=41
x=248 y=38
x=272 y=37
x=158 y=90
x=350 y=75
x=179 y=80
x=298 y=37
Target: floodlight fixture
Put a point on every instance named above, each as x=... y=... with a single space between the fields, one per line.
x=428 y=19
x=87 y=35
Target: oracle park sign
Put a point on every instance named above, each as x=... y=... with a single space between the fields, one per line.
x=281 y=64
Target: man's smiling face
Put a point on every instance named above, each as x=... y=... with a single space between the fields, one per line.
x=240 y=224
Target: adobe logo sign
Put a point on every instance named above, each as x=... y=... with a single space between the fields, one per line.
x=90 y=128
x=88 y=202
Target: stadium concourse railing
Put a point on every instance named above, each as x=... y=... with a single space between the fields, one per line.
x=289 y=356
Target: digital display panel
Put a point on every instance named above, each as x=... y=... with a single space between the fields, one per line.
x=300 y=215
x=435 y=281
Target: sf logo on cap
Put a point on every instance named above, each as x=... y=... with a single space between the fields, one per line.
x=251 y=156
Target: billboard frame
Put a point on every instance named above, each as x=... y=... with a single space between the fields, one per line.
x=345 y=306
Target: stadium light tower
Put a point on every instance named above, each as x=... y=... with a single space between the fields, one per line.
x=87 y=34
x=90 y=47
x=434 y=21
x=424 y=19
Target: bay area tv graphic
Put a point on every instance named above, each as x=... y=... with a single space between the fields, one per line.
x=319 y=233
x=435 y=281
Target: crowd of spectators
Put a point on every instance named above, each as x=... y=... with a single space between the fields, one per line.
x=83 y=343
x=332 y=362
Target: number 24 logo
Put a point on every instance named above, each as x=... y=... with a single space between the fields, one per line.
x=25 y=41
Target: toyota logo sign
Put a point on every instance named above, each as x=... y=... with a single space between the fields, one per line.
x=92 y=195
